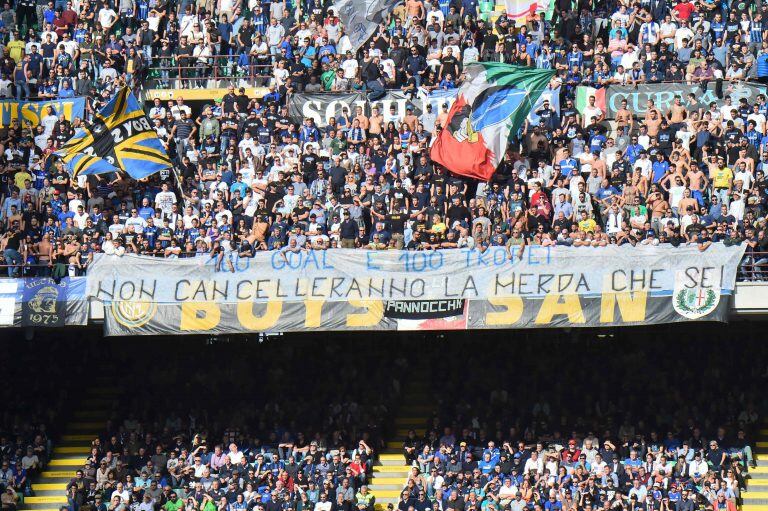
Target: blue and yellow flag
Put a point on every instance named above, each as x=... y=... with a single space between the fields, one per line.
x=122 y=136
x=85 y=164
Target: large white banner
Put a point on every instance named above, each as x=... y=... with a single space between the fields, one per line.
x=543 y=286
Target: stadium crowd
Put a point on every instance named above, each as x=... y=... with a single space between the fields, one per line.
x=250 y=177
x=195 y=447
x=580 y=441
x=31 y=414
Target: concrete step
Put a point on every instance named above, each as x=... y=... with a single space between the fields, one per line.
x=50 y=493
x=78 y=438
x=72 y=450
x=375 y=487
x=379 y=494
x=757 y=485
x=395 y=444
x=398 y=469
x=91 y=426
x=101 y=415
x=417 y=409
x=395 y=456
x=99 y=402
x=38 y=507
x=67 y=462
x=754 y=507
x=80 y=458
x=755 y=494
x=403 y=432
x=56 y=474
x=47 y=499
x=54 y=480
x=37 y=487
x=391 y=462
x=410 y=421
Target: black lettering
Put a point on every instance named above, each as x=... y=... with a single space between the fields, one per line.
x=522 y=281
x=298 y=292
x=259 y=290
x=239 y=290
x=614 y=285
x=336 y=283
x=147 y=292
x=178 y=288
x=692 y=277
x=131 y=287
x=636 y=278
x=445 y=283
x=393 y=288
x=379 y=290
x=469 y=285
x=417 y=288
x=544 y=280
x=582 y=284
x=106 y=292
x=200 y=290
x=223 y=293
x=653 y=284
x=355 y=286
x=564 y=281
x=315 y=284
x=278 y=291
x=500 y=287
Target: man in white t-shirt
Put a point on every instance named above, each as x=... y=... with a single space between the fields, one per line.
x=350 y=67
x=165 y=200
x=592 y=110
x=80 y=217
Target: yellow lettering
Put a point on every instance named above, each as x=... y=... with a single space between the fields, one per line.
x=631 y=306
x=199 y=315
x=560 y=305
x=513 y=311
x=250 y=321
x=314 y=313
x=371 y=317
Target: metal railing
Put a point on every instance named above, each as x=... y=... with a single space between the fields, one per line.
x=212 y=72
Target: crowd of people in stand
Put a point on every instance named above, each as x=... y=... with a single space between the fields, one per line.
x=575 y=437
x=249 y=176
x=297 y=445
x=30 y=416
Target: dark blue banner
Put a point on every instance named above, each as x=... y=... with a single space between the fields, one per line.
x=48 y=303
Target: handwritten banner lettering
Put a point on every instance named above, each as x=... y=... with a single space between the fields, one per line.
x=340 y=289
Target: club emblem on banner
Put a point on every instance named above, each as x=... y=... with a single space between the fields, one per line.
x=134 y=313
x=694 y=302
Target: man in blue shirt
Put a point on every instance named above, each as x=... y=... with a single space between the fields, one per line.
x=568 y=164
x=660 y=167
x=66 y=90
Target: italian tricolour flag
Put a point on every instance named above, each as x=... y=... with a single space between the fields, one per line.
x=491 y=105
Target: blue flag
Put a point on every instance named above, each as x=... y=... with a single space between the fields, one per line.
x=122 y=135
x=86 y=165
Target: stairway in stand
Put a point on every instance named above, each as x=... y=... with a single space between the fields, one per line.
x=756 y=496
x=391 y=472
x=71 y=449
